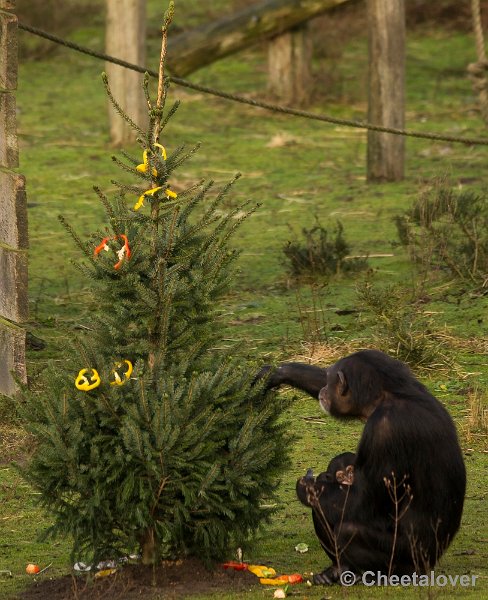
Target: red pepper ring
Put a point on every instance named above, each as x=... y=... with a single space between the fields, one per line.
x=124 y=252
x=237 y=566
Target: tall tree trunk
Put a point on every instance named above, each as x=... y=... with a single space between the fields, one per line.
x=126 y=39
x=386 y=102
x=149 y=554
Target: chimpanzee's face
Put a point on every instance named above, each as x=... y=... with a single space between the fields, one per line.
x=324 y=400
x=335 y=397
x=338 y=399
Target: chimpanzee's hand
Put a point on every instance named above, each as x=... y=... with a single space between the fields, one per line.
x=266 y=372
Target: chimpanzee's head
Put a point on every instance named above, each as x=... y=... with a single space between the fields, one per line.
x=355 y=385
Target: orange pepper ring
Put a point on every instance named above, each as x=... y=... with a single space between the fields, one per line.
x=103 y=246
x=126 y=254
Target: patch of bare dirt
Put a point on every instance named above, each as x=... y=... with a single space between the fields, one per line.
x=168 y=581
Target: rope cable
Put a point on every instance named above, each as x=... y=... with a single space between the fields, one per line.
x=255 y=103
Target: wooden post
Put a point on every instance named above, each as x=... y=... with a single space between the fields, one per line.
x=478 y=71
x=13 y=216
x=386 y=102
x=289 y=67
x=126 y=39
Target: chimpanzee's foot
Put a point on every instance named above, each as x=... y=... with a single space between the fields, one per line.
x=333 y=575
x=328 y=576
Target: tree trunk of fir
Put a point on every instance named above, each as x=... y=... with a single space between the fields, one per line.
x=289 y=67
x=126 y=39
x=386 y=102
x=263 y=20
x=13 y=216
x=148 y=547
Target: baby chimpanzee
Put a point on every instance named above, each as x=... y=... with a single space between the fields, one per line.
x=335 y=487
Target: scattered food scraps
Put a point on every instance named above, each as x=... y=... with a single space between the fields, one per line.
x=267 y=575
x=237 y=566
x=105 y=573
x=261 y=571
x=32 y=569
x=6 y=572
x=273 y=580
x=301 y=547
x=282 y=579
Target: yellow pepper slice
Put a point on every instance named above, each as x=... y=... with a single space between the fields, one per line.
x=261 y=571
x=151 y=192
x=274 y=581
x=282 y=579
x=142 y=168
x=117 y=380
x=84 y=383
x=105 y=573
x=169 y=194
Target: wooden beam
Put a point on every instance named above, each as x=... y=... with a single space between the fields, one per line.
x=203 y=45
x=386 y=102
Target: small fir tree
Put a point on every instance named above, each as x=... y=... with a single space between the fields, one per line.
x=160 y=442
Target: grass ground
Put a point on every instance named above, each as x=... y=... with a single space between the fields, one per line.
x=295 y=169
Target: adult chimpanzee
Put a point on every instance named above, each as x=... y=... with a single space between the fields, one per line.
x=405 y=500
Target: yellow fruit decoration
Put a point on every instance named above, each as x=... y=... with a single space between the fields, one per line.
x=117 y=380
x=169 y=194
x=261 y=570
x=84 y=383
x=143 y=168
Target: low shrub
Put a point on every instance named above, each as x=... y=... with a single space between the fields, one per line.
x=321 y=255
x=446 y=231
x=401 y=328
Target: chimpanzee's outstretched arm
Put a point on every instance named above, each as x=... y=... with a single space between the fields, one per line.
x=304 y=377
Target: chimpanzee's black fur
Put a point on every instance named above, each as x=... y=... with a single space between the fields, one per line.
x=405 y=504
